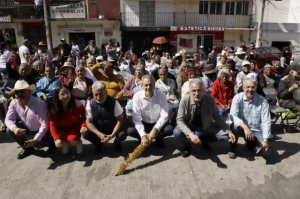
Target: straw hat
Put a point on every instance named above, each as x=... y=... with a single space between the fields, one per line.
x=23 y=85
x=68 y=64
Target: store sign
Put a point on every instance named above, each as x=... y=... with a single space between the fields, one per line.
x=75 y=10
x=196 y=28
x=5 y=18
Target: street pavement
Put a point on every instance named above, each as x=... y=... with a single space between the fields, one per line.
x=158 y=173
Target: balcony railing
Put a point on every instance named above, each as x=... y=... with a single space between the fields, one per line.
x=135 y=19
x=23 y=11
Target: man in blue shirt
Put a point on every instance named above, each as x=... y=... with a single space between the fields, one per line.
x=251 y=118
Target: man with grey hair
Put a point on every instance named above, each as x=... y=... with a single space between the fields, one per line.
x=196 y=117
x=104 y=118
x=251 y=118
x=150 y=114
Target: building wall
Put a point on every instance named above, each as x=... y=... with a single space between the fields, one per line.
x=102 y=30
x=236 y=37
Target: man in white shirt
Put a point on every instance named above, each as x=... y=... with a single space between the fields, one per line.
x=24 y=51
x=150 y=114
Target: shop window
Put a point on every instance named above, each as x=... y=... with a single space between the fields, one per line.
x=230 y=5
x=215 y=7
x=242 y=8
x=203 y=7
x=147 y=13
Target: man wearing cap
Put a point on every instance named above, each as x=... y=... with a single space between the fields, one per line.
x=251 y=118
x=65 y=48
x=42 y=53
x=195 y=119
x=27 y=120
x=245 y=69
x=288 y=89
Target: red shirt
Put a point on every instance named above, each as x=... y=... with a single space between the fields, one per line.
x=221 y=93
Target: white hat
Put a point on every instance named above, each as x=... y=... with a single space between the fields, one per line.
x=251 y=75
x=62 y=39
x=240 y=51
x=23 y=85
x=245 y=62
x=100 y=57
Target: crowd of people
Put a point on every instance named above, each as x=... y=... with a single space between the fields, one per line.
x=57 y=98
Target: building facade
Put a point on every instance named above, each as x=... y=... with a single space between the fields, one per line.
x=78 y=20
x=187 y=24
x=280 y=23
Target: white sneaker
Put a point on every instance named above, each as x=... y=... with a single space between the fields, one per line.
x=65 y=148
x=79 y=147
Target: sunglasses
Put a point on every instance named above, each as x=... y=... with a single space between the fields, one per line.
x=20 y=91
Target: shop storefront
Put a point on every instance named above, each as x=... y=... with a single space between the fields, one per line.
x=191 y=38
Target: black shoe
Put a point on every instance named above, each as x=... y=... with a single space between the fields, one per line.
x=51 y=149
x=185 y=153
x=118 y=145
x=25 y=152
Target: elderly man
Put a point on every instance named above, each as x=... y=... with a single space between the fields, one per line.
x=104 y=118
x=150 y=114
x=251 y=118
x=27 y=120
x=196 y=114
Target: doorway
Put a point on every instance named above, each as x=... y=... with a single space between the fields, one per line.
x=82 y=39
x=206 y=41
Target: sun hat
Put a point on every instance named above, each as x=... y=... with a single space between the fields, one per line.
x=100 y=57
x=68 y=64
x=210 y=69
x=240 y=51
x=251 y=75
x=41 y=43
x=23 y=85
x=245 y=62
x=62 y=39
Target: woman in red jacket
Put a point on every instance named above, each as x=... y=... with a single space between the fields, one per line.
x=223 y=91
x=67 y=120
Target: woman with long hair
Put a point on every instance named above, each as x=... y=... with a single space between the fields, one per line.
x=67 y=120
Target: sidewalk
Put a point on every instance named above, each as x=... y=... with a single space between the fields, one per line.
x=159 y=173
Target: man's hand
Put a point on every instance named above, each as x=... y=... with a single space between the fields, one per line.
x=194 y=138
x=83 y=129
x=231 y=137
x=19 y=131
x=102 y=137
x=153 y=133
x=107 y=138
x=248 y=134
x=145 y=140
x=30 y=143
x=58 y=143
x=265 y=145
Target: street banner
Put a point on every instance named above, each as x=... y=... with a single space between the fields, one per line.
x=74 y=10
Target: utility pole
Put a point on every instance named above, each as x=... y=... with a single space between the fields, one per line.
x=47 y=25
x=259 y=37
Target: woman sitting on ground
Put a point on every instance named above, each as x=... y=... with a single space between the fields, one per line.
x=67 y=120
